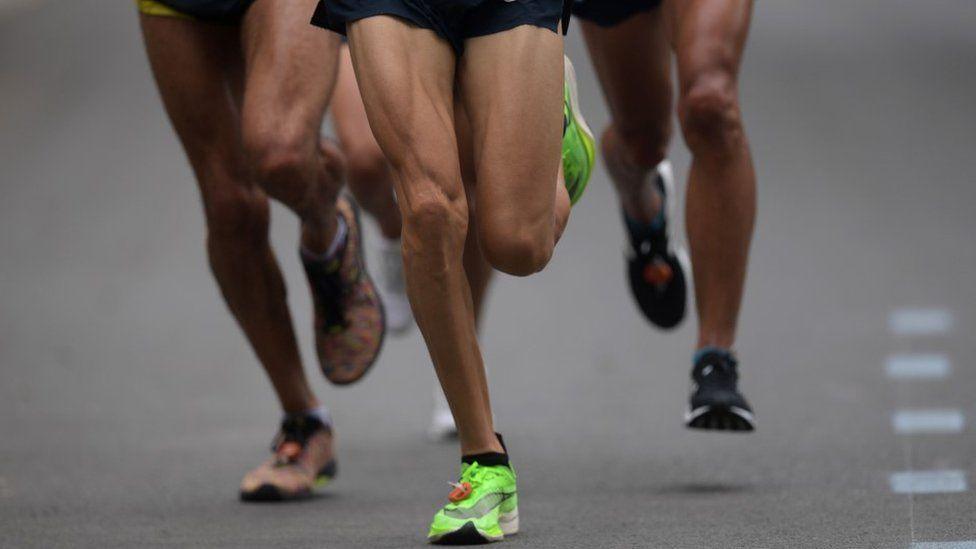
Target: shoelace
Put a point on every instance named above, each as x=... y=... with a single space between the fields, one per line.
x=472 y=476
x=291 y=439
x=718 y=372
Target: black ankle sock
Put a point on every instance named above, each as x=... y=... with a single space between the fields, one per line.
x=489 y=458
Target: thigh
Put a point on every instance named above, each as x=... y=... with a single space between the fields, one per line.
x=633 y=62
x=406 y=79
x=195 y=66
x=709 y=37
x=511 y=84
x=290 y=69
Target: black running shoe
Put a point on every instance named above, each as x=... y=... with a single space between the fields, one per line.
x=655 y=267
x=716 y=402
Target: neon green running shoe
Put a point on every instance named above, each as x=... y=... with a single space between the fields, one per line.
x=579 y=149
x=483 y=507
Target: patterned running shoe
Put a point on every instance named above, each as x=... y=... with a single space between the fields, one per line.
x=657 y=267
x=349 y=324
x=302 y=460
x=579 y=149
x=483 y=507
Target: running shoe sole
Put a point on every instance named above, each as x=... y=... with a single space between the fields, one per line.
x=270 y=493
x=469 y=534
x=720 y=417
x=569 y=76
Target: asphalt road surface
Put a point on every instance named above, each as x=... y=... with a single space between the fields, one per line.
x=130 y=405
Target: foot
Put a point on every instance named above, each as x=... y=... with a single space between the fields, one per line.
x=579 y=150
x=302 y=461
x=442 y=425
x=483 y=507
x=716 y=402
x=393 y=288
x=349 y=325
x=657 y=269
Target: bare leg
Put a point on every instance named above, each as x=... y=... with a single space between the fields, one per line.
x=633 y=62
x=709 y=37
x=520 y=214
x=290 y=73
x=368 y=172
x=406 y=76
x=476 y=268
x=196 y=68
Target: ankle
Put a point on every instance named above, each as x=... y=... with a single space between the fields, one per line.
x=489 y=444
x=301 y=405
x=715 y=341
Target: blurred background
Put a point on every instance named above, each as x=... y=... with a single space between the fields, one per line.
x=130 y=405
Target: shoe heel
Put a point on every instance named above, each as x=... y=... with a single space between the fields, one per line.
x=509 y=522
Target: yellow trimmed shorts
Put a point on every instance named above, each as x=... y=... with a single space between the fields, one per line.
x=153 y=7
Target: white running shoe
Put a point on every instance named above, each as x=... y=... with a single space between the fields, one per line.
x=393 y=288
x=441 y=420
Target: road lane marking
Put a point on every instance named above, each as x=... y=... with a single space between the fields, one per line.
x=919 y=322
x=928 y=482
x=917 y=366
x=908 y=422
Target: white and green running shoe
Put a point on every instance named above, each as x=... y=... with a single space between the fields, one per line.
x=579 y=148
x=483 y=507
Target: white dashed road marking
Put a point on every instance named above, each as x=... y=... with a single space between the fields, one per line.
x=917 y=366
x=908 y=422
x=928 y=482
x=919 y=322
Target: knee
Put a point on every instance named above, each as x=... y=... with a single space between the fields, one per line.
x=709 y=113
x=435 y=218
x=236 y=213
x=516 y=248
x=276 y=154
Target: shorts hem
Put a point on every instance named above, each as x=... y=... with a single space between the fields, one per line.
x=323 y=19
x=542 y=24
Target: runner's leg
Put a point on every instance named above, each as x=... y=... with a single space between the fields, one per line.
x=406 y=76
x=195 y=66
x=290 y=74
x=633 y=62
x=476 y=268
x=291 y=68
x=519 y=218
x=709 y=38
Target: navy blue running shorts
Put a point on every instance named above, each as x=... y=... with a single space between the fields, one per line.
x=608 y=13
x=452 y=20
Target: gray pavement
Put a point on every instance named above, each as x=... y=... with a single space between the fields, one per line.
x=130 y=405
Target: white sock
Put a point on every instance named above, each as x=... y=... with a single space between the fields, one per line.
x=321 y=413
x=340 y=237
x=342 y=230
